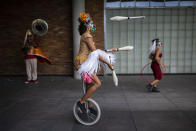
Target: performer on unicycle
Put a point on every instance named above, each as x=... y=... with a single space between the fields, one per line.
x=155 y=56
x=89 y=60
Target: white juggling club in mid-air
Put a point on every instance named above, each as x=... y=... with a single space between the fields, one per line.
x=120 y=18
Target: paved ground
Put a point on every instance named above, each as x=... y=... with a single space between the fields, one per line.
x=47 y=106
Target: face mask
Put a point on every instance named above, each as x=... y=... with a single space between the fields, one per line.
x=92 y=27
x=159 y=44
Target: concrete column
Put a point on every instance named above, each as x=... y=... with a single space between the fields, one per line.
x=78 y=6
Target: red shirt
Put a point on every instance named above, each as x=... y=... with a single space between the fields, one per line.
x=35 y=42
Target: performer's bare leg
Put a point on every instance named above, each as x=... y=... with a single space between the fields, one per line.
x=88 y=86
x=155 y=82
x=155 y=85
x=96 y=84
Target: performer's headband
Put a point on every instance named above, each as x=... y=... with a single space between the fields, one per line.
x=87 y=20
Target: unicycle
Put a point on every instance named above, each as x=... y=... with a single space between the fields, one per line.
x=89 y=118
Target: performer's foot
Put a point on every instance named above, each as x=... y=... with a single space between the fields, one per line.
x=35 y=81
x=92 y=110
x=27 y=81
x=149 y=86
x=155 y=89
x=82 y=107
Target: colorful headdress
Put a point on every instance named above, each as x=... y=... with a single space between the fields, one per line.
x=86 y=19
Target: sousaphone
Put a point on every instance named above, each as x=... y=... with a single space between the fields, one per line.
x=39 y=27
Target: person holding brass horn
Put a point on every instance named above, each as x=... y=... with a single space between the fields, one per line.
x=89 y=59
x=30 y=60
x=32 y=51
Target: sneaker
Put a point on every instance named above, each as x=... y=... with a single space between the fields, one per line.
x=92 y=110
x=155 y=89
x=149 y=86
x=35 y=81
x=27 y=81
x=82 y=107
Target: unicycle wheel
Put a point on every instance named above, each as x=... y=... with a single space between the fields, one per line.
x=90 y=118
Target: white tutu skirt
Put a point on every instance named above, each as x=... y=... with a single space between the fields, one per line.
x=92 y=64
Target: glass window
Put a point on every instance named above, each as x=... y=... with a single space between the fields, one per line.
x=187 y=2
x=157 y=3
x=148 y=3
x=127 y=3
x=171 y=3
x=113 y=3
x=142 y=3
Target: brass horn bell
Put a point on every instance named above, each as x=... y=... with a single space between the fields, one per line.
x=39 y=27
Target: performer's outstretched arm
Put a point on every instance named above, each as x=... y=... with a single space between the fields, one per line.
x=112 y=50
x=92 y=47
